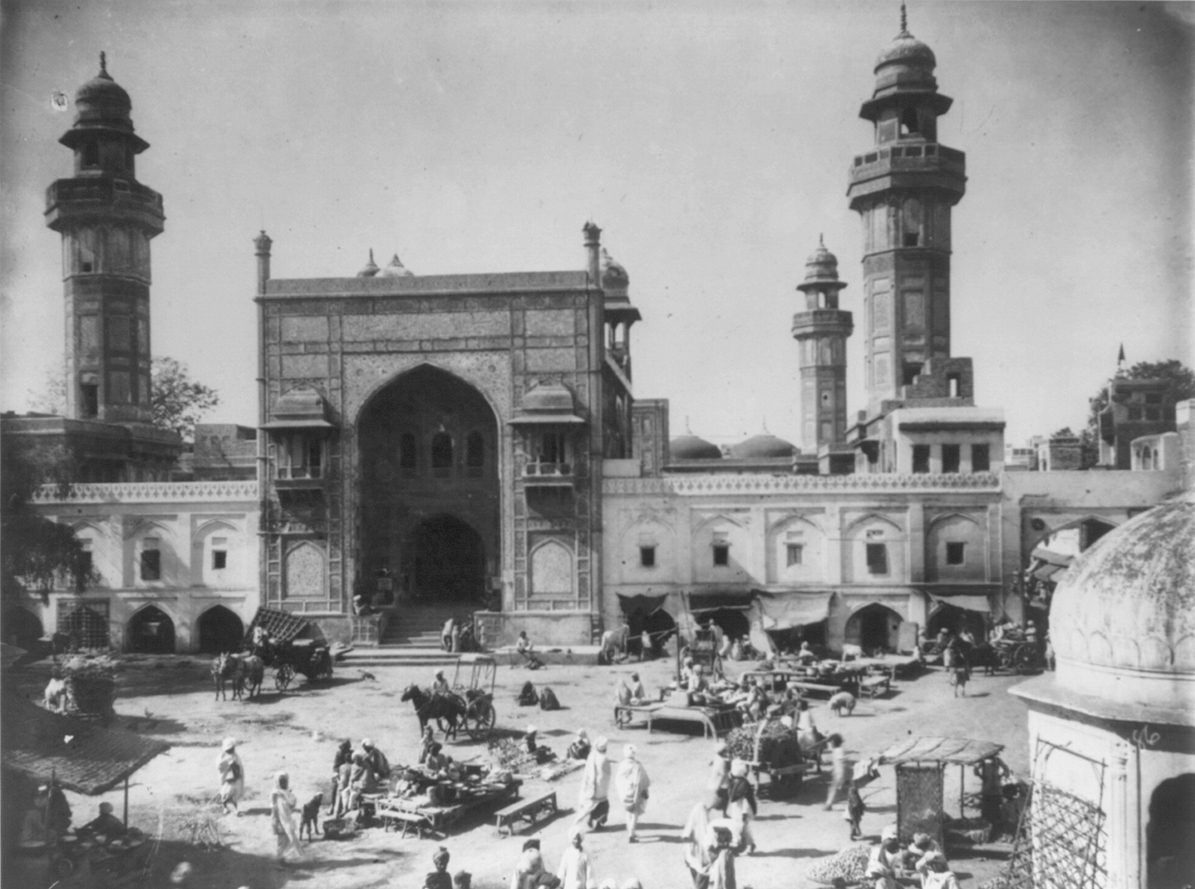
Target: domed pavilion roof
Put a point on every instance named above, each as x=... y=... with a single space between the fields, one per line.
x=395 y=269
x=1122 y=621
x=693 y=447
x=102 y=100
x=906 y=49
x=762 y=446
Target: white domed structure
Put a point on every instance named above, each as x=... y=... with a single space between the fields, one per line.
x=1113 y=731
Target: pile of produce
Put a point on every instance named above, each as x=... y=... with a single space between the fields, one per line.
x=507 y=754
x=849 y=864
x=90 y=685
x=778 y=745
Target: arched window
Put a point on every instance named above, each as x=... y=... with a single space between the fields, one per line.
x=406 y=452
x=474 y=453
x=441 y=454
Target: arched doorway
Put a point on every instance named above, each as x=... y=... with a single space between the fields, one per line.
x=1169 y=853
x=874 y=626
x=660 y=626
x=220 y=630
x=955 y=619
x=22 y=628
x=445 y=561
x=733 y=622
x=429 y=489
x=151 y=631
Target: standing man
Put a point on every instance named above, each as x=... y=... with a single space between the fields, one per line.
x=633 y=785
x=574 y=871
x=593 y=804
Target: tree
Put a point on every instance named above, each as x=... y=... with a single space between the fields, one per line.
x=1182 y=387
x=37 y=552
x=177 y=402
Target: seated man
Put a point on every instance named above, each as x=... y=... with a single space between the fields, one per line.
x=435 y=762
x=580 y=748
x=805 y=655
x=630 y=692
x=920 y=850
x=362 y=780
x=524 y=648
x=440 y=684
x=936 y=873
x=885 y=860
x=106 y=824
x=378 y=764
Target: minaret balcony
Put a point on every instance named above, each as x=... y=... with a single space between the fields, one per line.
x=912 y=165
x=823 y=321
x=78 y=199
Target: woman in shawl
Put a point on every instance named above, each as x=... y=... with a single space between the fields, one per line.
x=633 y=785
x=593 y=805
x=232 y=776
x=742 y=806
x=283 y=805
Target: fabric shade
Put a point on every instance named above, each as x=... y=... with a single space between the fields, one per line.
x=641 y=605
x=781 y=611
x=965 y=601
x=716 y=600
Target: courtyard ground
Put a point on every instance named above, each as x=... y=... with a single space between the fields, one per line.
x=171 y=698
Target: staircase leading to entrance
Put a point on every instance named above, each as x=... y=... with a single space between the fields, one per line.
x=411 y=637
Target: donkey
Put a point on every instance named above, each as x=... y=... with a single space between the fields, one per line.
x=228 y=668
x=446 y=709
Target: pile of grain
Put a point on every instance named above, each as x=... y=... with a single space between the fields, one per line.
x=90 y=685
x=849 y=864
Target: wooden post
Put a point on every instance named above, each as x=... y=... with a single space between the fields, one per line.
x=126 y=801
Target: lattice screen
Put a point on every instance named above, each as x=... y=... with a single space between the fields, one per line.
x=1061 y=842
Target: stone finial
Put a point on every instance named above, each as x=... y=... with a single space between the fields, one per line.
x=593 y=234
x=104 y=66
x=262 y=242
x=904 y=19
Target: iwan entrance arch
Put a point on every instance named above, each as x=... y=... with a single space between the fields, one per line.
x=429 y=491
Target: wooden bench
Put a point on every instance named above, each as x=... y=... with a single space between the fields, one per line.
x=815 y=687
x=624 y=713
x=525 y=810
x=408 y=822
x=870 y=686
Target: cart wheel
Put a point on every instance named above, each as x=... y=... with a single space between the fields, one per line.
x=64 y=867
x=283 y=676
x=1025 y=659
x=479 y=721
x=1006 y=659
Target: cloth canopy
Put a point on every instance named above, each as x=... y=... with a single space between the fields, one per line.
x=966 y=601
x=781 y=611
x=954 y=750
x=283 y=626
x=716 y=600
x=641 y=605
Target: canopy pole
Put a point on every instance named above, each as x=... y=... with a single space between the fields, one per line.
x=126 y=801
x=962 y=774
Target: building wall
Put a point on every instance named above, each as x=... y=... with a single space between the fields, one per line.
x=187 y=523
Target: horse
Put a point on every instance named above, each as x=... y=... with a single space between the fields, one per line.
x=228 y=668
x=446 y=708
x=254 y=672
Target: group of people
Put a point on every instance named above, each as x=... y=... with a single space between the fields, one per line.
x=284 y=808
x=356 y=772
x=923 y=857
x=632 y=786
x=575 y=870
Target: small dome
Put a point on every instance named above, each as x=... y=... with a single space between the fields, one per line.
x=1123 y=618
x=693 y=447
x=370 y=268
x=550 y=398
x=102 y=100
x=395 y=269
x=907 y=50
x=762 y=446
x=822 y=266
x=614 y=276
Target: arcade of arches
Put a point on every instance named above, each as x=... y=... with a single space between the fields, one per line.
x=220 y=630
x=429 y=450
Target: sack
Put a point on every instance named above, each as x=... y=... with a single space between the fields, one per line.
x=547 y=700
x=528 y=697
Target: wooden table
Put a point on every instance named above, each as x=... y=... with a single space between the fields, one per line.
x=713 y=720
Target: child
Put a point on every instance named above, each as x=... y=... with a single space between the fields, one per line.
x=440 y=878
x=960 y=675
x=854 y=810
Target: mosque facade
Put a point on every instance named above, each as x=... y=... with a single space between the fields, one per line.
x=452 y=444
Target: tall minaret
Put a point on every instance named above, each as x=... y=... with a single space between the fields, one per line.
x=904 y=189
x=821 y=332
x=106 y=218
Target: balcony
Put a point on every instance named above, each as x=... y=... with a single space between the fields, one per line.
x=299 y=479
x=548 y=474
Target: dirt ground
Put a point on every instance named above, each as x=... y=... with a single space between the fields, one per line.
x=171 y=698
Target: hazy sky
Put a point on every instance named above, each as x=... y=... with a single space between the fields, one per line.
x=710 y=141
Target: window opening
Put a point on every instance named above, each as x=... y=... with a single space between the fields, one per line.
x=950 y=458
x=441 y=454
x=647 y=556
x=721 y=555
x=86 y=558
x=877 y=558
x=911 y=371
x=912 y=239
x=474 y=453
x=952 y=381
x=151 y=559
x=920 y=458
x=219 y=553
x=981 y=458
x=91 y=399
x=908 y=122
x=956 y=553
x=795 y=552
x=91 y=154
x=406 y=451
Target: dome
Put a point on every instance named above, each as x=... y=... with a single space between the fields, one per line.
x=1123 y=618
x=395 y=269
x=102 y=101
x=762 y=446
x=906 y=49
x=693 y=447
x=822 y=266
x=614 y=276
x=369 y=269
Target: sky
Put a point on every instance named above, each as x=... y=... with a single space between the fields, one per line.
x=709 y=140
